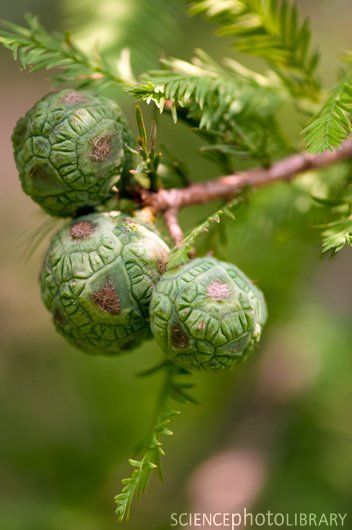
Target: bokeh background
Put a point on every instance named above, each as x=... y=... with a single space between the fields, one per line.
x=276 y=433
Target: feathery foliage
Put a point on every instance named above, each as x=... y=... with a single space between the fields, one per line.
x=180 y=254
x=331 y=125
x=37 y=49
x=134 y=486
x=233 y=106
x=205 y=85
x=150 y=448
x=268 y=29
x=337 y=235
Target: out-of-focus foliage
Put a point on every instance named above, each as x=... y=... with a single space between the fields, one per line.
x=37 y=49
x=268 y=29
x=337 y=233
x=145 y=27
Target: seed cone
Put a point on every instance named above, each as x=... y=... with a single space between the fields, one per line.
x=70 y=149
x=207 y=314
x=97 y=279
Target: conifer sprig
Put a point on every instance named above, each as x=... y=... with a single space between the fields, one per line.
x=134 y=486
x=269 y=29
x=337 y=235
x=332 y=124
x=209 y=89
x=232 y=107
x=36 y=49
x=180 y=253
x=148 y=453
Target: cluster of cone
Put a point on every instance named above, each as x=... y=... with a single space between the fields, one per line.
x=103 y=278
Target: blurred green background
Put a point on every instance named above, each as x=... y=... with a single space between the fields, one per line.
x=276 y=433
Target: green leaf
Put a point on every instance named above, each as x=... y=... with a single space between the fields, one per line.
x=134 y=486
x=214 y=89
x=229 y=106
x=150 y=449
x=331 y=125
x=268 y=29
x=337 y=235
x=37 y=49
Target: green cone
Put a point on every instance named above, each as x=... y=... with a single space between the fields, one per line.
x=70 y=149
x=207 y=314
x=97 y=280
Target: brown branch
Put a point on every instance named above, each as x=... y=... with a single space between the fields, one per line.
x=173 y=226
x=228 y=187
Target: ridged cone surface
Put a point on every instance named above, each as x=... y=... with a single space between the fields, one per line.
x=97 y=280
x=207 y=314
x=70 y=149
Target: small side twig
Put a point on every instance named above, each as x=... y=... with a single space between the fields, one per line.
x=171 y=221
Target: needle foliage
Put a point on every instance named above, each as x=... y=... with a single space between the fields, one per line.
x=236 y=111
